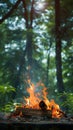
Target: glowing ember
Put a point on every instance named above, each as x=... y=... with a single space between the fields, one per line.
x=35 y=98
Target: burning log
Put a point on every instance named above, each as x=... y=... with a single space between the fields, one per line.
x=42 y=105
x=41 y=112
x=29 y=112
x=55 y=112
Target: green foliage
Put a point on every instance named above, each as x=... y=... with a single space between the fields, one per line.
x=10 y=106
x=5 y=89
x=70 y=102
x=68 y=68
x=6 y=92
x=67 y=103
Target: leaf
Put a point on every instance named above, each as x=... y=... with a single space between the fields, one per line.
x=6 y=89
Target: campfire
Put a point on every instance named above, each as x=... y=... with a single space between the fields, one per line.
x=37 y=112
x=37 y=103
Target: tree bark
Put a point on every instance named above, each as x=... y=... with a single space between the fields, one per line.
x=60 y=85
x=48 y=63
x=28 y=16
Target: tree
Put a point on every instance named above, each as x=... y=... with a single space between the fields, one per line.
x=21 y=57
x=60 y=85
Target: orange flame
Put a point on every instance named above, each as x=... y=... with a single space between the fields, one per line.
x=33 y=100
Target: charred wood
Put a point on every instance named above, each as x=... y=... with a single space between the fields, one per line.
x=29 y=112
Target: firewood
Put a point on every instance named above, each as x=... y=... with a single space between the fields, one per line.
x=63 y=114
x=29 y=112
x=42 y=105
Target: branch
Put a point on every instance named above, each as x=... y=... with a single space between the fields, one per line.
x=25 y=13
x=10 y=12
x=31 y=13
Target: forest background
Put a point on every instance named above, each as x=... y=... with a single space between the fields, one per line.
x=36 y=42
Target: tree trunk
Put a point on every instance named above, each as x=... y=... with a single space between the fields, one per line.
x=28 y=16
x=60 y=85
x=29 y=51
x=48 y=63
